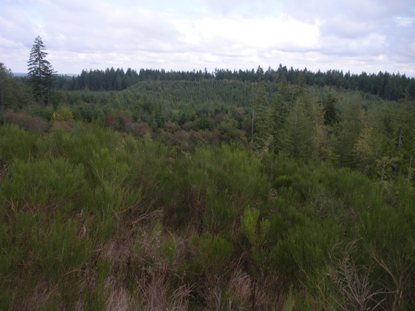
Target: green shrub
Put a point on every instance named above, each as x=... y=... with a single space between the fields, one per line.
x=16 y=143
x=255 y=230
x=234 y=171
x=353 y=188
x=58 y=249
x=220 y=214
x=213 y=253
x=42 y=182
x=42 y=249
x=303 y=251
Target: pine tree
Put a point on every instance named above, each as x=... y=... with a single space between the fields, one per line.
x=279 y=112
x=40 y=71
x=297 y=137
x=4 y=86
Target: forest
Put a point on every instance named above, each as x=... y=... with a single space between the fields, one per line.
x=281 y=189
x=383 y=84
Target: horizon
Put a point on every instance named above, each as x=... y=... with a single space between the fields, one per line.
x=233 y=70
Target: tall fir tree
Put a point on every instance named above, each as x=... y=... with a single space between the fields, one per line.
x=40 y=71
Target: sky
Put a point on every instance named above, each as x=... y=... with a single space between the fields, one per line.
x=349 y=35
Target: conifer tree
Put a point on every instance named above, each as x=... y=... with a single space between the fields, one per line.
x=4 y=88
x=279 y=112
x=40 y=71
x=297 y=137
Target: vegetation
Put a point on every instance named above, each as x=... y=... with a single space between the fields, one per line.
x=99 y=80
x=207 y=193
x=40 y=71
x=383 y=84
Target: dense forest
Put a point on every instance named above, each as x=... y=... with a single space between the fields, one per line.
x=385 y=85
x=232 y=190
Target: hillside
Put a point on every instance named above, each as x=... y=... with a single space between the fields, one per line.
x=207 y=195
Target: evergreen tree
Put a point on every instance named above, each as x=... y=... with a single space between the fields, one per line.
x=297 y=137
x=40 y=71
x=330 y=113
x=4 y=88
x=13 y=93
x=279 y=112
x=261 y=119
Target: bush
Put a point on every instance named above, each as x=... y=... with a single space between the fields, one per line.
x=58 y=249
x=303 y=251
x=64 y=113
x=16 y=143
x=55 y=182
x=213 y=253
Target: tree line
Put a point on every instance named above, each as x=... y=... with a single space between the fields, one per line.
x=383 y=84
x=99 y=80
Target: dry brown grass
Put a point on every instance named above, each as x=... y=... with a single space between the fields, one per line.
x=137 y=257
x=62 y=125
x=240 y=289
x=35 y=297
x=353 y=284
x=40 y=295
x=118 y=298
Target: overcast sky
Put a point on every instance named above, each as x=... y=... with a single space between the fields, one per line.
x=355 y=35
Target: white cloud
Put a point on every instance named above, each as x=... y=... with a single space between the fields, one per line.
x=259 y=33
x=370 y=45
x=369 y=35
x=404 y=21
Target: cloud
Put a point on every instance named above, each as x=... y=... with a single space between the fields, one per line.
x=245 y=8
x=369 y=35
x=369 y=45
x=355 y=10
x=258 y=33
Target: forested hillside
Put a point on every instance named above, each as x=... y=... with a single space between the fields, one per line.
x=249 y=190
x=383 y=84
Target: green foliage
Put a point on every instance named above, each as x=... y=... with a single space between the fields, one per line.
x=64 y=113
x=213 y=253
x=227 y=168
x=220 y=213
x=301 y=134
x=10 y=150
x=41 y=249
x=330 y=112
x=348 y=131
x=253 y=228
x=13 y=93
x=304 y=249
x=57 y=249
x=44 y=182
x=181 y=208
x=40 y=71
